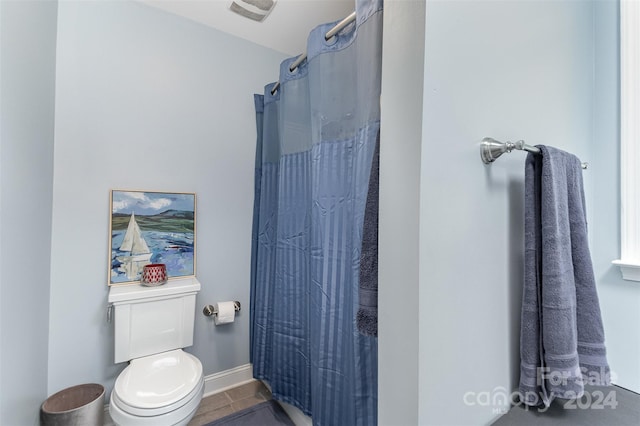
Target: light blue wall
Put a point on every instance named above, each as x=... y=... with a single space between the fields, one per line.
x=510 y=70
x=28 y=48
x=147 y=100
x=619 y=299
x=507 y=69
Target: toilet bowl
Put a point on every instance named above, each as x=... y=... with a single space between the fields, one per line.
x=161 y=389
x=162 y=385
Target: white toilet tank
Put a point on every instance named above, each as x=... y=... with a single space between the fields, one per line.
x=150 y=320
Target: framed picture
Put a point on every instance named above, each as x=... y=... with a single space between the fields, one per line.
x=151 y=227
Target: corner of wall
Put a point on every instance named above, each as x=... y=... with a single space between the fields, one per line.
x=400 y=153
x=28 y=39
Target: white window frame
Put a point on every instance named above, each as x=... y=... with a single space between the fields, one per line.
x=629 y=261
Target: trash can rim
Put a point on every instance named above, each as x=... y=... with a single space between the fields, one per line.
x=93 y=386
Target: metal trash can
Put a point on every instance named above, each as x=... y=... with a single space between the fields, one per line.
x=77 y=405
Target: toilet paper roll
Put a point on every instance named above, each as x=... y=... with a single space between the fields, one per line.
x=226 y=313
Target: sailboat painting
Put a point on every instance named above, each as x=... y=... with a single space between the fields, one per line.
x=151 y=227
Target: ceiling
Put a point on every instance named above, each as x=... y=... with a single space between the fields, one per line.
x=285 y=29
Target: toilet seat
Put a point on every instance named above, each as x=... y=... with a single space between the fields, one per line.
x=158 y=384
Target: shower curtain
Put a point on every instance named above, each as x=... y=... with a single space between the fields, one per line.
x=316 y=141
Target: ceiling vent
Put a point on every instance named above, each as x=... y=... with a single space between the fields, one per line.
x=256 y=10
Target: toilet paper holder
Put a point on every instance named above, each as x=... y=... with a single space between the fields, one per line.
x=211 y=310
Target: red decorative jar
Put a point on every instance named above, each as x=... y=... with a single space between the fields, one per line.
x=154 y=274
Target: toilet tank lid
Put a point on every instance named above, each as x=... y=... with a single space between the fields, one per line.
x=127 y=293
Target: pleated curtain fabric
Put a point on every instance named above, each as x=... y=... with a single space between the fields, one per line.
x=316 y=140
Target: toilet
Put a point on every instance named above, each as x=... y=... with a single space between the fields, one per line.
x=162 y=385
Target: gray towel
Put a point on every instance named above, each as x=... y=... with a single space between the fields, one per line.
x=367 y=317
x=562 y=338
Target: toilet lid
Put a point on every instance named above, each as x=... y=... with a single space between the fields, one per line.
x=158 y=380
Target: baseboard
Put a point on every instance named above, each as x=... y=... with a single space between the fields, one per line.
x=227 y=379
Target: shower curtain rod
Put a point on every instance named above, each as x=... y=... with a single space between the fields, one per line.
x=491 y=149
x=332 y=32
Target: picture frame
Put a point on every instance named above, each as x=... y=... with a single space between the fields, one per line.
x=147 y=227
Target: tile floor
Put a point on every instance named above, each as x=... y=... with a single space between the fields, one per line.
x=610 y=405
x=224 y=403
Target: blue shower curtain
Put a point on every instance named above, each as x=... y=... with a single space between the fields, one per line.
x=316 y=140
